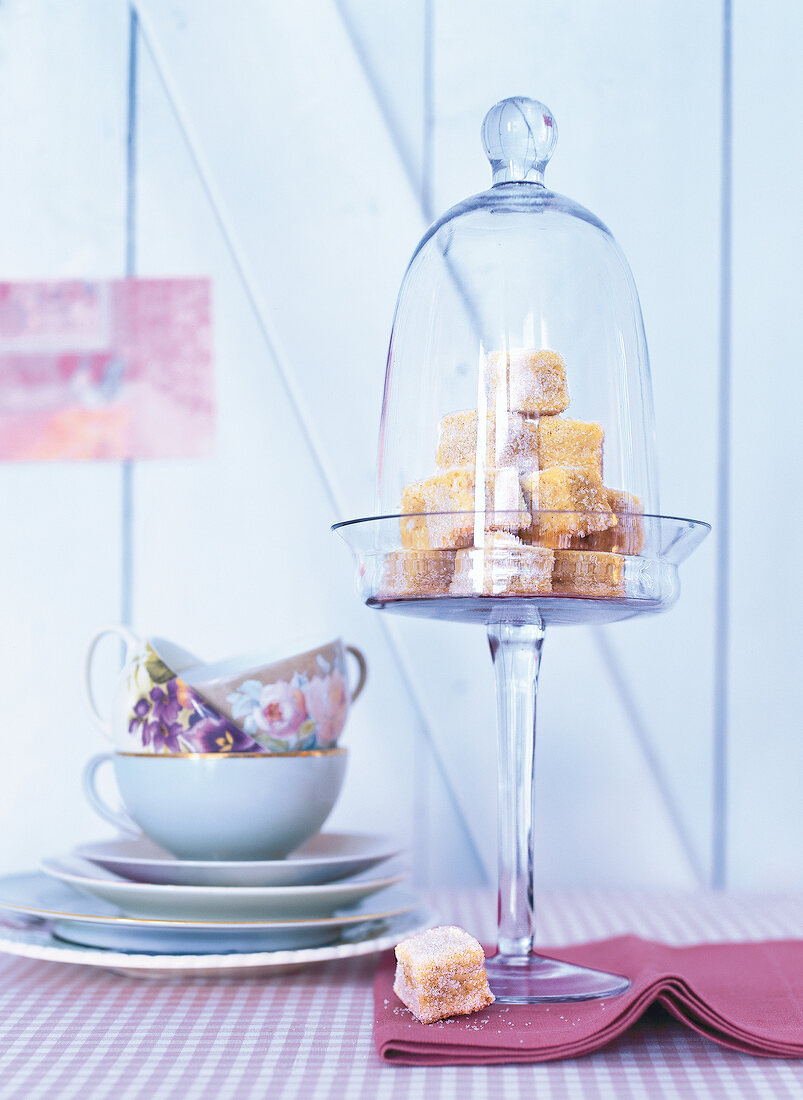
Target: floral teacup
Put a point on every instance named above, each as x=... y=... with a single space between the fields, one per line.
x=288 y=705
x=166 y=701
x=154 y=709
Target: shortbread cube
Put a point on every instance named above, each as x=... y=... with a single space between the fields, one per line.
x=414 y=531
x=627 y=537
x=450 y=501
x=441 y=973
x=509 y=440
x=451 y=492
x=588 y=573
x=564 y=442
x=565 y=502
x=529 y=380
x=504 y=566
x=505 y=508
x=416 y=573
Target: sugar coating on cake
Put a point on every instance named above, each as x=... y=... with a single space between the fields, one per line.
x=441 y=973
x=416 y=573
x=451 y=491
x=450 y=501
x=588 y=573
x=414 y=531
x=627 y=537
x=506 y=440
x=565 y=442
x=503 y=566
x=529 y=380
x=566 y=502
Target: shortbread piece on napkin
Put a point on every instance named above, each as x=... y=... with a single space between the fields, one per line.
x=441 y=973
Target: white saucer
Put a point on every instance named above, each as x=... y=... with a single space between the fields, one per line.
x=325 y=858
x=38 y=942
x=99 y=924
x=205 y=903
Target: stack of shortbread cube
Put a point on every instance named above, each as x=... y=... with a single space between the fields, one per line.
x=518 y=506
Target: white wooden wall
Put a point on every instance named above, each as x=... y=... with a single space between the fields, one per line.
x=295 y=153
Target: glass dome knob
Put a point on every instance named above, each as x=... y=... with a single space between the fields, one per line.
x=519 y=136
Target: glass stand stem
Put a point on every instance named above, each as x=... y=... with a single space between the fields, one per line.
x=515 y=974
x=516 y=652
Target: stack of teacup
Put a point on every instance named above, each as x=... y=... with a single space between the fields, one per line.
x=226 y=772
x=233 y=760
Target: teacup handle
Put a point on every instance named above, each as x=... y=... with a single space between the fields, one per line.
x=131 y=642
x=362 y=670
x=119 y=818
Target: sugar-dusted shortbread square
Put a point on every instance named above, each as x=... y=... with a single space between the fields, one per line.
x=565 y=442
x=450 y=500
x=441 y=973
x=416 y=573
x=627 y=537
x=588 y=573
x=414 y=531
x=450 y=492
x=506 y=440
x=503 y=566
x=527 y=380
x=565 y=502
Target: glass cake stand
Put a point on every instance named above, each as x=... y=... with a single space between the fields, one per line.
x=516 y=626
x=517 y=483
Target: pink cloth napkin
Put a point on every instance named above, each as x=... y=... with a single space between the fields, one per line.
x=746 y=996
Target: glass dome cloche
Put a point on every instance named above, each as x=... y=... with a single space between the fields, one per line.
x=517 y=482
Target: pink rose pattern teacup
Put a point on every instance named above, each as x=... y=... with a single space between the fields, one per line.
x=154 y=709
x=294 y=705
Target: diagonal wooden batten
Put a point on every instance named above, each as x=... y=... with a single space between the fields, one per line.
x=641 y=732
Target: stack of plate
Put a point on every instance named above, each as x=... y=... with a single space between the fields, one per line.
x=127 y=904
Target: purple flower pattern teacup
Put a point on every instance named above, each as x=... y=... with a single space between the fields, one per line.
x=294 y=705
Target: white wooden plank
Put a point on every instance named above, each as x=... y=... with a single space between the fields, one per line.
x=629 y=127
x=324 y=236
x=63 y=87
x=599 y=817
x=391 y=43
x=766 y=530
x=249 y=558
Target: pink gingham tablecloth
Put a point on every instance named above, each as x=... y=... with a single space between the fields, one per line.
x=78 y=1032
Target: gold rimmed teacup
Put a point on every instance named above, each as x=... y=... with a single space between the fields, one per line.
x=222 y=805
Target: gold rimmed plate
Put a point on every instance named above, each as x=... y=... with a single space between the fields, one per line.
x=212 y=903
x=326 y=857
x=97 y=923
x=38 y=942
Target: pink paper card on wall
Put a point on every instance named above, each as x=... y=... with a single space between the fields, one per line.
x=112 y=369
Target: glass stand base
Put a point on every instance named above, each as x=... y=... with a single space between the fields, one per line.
x=536 y=980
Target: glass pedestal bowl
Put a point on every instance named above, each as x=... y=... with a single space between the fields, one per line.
x=516 y=625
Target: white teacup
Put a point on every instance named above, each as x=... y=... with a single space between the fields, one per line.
x=222 y=806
